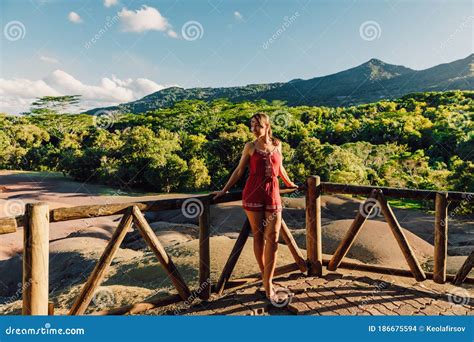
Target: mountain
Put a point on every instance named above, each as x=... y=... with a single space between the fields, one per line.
x=368 y=82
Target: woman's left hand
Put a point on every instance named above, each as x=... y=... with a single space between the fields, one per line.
x=291 y=185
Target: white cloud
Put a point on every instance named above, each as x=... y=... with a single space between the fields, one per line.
x=17 y=94
x=74 y=18
x=144 y=19
x=48 y=59
x=110 y=3
x=238 y=15
x=172 y=34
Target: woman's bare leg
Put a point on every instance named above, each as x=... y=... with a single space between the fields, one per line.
x=272 y=224
x=256 y=221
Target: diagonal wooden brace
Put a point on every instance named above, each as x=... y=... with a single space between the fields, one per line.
x=163 y=257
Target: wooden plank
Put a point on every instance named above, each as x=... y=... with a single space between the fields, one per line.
x=163 y=257
x=205 y=251
x=387 y=270
x=401 y=239
x=36 y=259
x=90 y=211
x=10 y=224
x=233 y=257
x=137 y=308
x=464 y=270
x=353 y=231
x=339 y=188
x=83 y=300
x=293 y=247
x=440 y=238
x=313 y=226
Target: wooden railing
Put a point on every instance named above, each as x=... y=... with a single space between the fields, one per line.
x=38 y=216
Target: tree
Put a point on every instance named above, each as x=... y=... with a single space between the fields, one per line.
x=54 y=104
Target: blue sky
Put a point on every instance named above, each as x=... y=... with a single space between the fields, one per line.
x=143 y=49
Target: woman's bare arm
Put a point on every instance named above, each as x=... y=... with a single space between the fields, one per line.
x=240 y=169
x=283 y=175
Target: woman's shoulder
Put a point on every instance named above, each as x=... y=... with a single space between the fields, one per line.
x=249 y=146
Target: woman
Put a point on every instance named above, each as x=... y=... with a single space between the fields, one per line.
x=261 y=195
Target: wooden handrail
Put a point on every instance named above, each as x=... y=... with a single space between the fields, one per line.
x=10 y=224
x=339 y=188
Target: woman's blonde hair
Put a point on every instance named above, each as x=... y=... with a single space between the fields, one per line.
x=262 y=119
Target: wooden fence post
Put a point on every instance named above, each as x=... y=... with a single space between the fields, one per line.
x=36 y=259
x=313 y=226
x=204 y=251
x=440 y=237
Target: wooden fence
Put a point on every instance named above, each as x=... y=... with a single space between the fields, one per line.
x=38 y=216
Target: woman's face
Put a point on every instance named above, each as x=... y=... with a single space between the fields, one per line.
x=256 y=128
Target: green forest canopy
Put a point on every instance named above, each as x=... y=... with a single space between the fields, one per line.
x=422 y=140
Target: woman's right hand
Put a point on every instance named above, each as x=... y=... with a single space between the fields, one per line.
x=218 y=194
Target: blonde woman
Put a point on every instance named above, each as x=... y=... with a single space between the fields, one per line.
x=261 y=195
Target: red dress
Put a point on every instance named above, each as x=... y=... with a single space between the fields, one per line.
x=262 y=190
